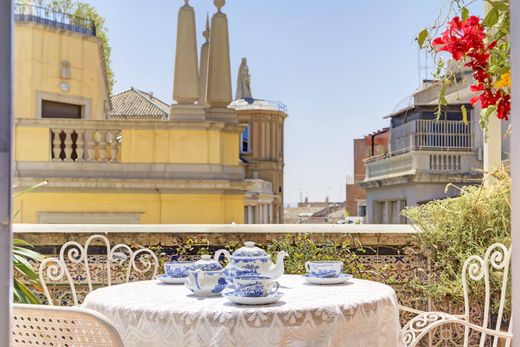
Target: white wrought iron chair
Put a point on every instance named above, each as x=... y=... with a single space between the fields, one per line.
x=495 y=262
x=142 y=262
x=39 y=325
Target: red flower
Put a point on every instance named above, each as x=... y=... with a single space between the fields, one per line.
x=464 y=39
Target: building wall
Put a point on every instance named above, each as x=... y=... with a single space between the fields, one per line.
x=149 y=207
x=266 y=158
x=354 y=193
x=179 y=146
x=409 y=194
x=38 y=53
x=361 y=152
x=210 y=197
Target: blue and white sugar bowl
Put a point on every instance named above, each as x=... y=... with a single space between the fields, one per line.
x=206 y=283
x=324 y=269
x=179 y=269
x=207 y=263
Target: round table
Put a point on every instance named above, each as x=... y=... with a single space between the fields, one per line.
x=356 y=314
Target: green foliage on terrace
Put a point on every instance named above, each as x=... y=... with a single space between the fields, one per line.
x=453 y=229
x=300 y=248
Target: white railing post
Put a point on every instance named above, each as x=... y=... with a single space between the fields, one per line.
x=6 y=156
x=515 y=167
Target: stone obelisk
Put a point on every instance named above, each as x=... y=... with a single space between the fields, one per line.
x=204 y=57
x=218 y=88
x=186 y=83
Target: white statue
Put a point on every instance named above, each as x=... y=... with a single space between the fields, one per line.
x=244 y=82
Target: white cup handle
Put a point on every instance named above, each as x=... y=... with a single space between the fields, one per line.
x=307 y=266
x=275 y=287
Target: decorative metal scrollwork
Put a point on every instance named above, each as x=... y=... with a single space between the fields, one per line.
x=497 y=258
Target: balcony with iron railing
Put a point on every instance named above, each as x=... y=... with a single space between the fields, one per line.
x=56 y=19
x=433 y=135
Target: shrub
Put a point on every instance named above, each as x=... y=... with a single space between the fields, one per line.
x=453 y=229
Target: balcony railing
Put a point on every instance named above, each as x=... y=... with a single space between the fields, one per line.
x=78 y=145
x=431 y=135
x=53 y=18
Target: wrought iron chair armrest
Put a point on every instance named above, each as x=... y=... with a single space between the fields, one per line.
x=425 y=322
x=410 y=309
x=418 y=312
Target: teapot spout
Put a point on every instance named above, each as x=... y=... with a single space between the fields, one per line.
x=279 y=268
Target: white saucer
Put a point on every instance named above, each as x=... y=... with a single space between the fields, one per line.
x=245 y=300
x=171 y=280
x=328 y=280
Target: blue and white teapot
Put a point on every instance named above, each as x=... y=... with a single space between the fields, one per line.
x=252 y=260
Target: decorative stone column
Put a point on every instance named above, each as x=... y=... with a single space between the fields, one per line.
x=186 y=85
x=218 y=89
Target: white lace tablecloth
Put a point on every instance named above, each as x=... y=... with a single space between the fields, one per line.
x=359 y=314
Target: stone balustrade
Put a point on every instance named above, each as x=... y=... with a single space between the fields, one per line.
x=78 y=145
x=422 y=162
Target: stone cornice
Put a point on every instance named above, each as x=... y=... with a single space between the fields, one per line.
x=126 y=124
x=135 y=185
x=422 y=178
x=103 y=170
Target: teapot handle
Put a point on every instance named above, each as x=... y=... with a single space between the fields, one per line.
x=221 y=251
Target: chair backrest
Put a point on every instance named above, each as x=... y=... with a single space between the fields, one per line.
x=493 y=267
x=38 y=325
x=75 y=265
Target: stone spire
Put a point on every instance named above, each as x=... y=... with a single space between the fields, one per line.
x=186 y=81
x=204 y=56
x=218 y=89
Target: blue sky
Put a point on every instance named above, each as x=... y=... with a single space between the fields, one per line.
x=339 y=65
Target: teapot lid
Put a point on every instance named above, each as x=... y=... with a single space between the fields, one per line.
x=206 y=263
x=250 y=250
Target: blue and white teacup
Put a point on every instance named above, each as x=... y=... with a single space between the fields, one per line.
x=324 y=269
x=255 y=286
x=179 y=269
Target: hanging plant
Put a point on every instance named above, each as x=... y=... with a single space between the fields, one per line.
x=482 y=45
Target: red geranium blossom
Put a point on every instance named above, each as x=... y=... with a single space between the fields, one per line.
x=464 y=39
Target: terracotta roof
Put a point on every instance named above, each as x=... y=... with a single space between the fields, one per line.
x=136 y=104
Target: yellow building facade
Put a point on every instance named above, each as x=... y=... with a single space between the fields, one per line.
x=99 y=169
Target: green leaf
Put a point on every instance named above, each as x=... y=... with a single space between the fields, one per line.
x=490 y=111
x=491 y=18
x=24 y=252
x=500 y=5
x=464 y=111
x=421 y=38
x=18 y=242
x=464 y=13
x=24 y=294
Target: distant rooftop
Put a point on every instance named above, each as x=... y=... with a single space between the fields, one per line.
x=258 y=104
x=136 y=104
x=53 y=18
